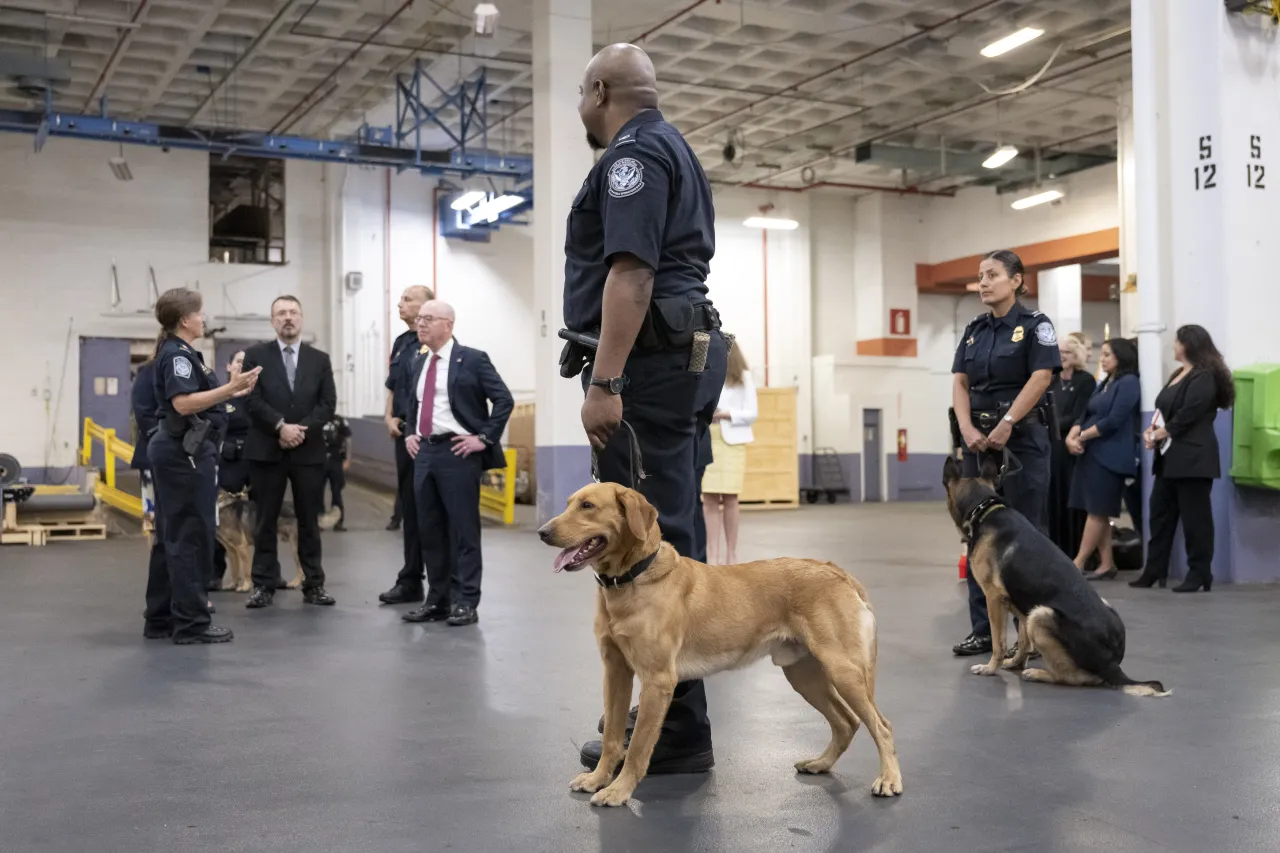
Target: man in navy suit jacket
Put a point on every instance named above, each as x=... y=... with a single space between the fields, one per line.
x=459 y=409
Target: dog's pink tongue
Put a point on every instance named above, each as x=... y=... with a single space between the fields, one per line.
x=565 y=557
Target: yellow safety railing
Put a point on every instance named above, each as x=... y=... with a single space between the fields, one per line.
x=112 y=448
x=500 y=501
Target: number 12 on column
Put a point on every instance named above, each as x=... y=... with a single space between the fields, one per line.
x=1256 y=172
x=1206 y=173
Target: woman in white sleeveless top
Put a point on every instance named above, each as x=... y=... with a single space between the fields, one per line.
x=736 y=411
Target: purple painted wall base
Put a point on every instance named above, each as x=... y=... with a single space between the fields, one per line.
x=562 y=470
x=1246 y=522
x=917 y=479
x=850 y=466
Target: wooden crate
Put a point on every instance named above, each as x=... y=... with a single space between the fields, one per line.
x=773 y=459
x=521 y=438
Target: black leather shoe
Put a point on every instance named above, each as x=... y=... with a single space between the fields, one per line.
x=401 y=594
x=463 y=614
x=317 y=595
x=666 y=759
x=972 y=645
x=262 y=597
x=393 y=524
x=1013 y=651
x=631 y=721
x=281 y=583
x=340 y=526
x=425 y=613
x=157 y=632
x=212 y=634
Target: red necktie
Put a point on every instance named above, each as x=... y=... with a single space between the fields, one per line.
x=428 y=399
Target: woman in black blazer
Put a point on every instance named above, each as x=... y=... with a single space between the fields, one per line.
x=1071 y=389
x=1186 y=459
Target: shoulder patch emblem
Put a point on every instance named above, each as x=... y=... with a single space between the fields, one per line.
x=626 y=177
x=1046 y=335
x=182 y=367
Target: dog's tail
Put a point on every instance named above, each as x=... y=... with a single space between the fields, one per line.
x=1116 y=678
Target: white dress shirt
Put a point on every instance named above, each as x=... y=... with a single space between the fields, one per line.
x=442 y=417
x=740 y=402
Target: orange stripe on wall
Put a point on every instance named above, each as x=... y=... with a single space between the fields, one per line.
x=888 y=346
x=1080 y=249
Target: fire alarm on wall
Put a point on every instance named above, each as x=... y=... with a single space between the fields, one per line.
x=354 y=281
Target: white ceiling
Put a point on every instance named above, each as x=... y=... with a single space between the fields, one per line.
x=769 y=70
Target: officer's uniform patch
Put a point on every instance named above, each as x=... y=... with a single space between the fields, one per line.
x=1017 y=334
x=182 y=367
x=626 y=177
x=1046 y=335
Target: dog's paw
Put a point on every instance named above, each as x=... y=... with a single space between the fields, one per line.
x=293 y=584
x=887 y=786
x=1036 y=675
x=614 y=795
x=1013 y=664
x=814 y=766
x=982 y=669
x=245 y=586
x=589 y=782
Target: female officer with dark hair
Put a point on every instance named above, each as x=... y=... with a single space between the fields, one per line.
x=182 y=453
x=1003 y=365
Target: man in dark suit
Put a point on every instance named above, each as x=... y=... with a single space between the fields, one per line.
x=293 y=400
x=458 y=411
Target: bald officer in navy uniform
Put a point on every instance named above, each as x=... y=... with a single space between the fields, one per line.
x=637 y=252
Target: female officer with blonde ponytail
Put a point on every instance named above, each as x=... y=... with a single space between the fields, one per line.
x=183 y=454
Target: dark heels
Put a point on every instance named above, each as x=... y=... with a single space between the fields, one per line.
x=1191 y=585
x=1145 y=581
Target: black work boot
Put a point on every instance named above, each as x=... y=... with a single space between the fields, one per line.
x=669 y=757
x=212 y=634
x=973 y=645
x=262 y=597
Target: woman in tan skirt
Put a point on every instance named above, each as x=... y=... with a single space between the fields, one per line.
x=736 y=411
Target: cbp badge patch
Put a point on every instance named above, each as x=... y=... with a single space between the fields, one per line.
x=1046 y=335
x=182 y=367
x=626 y=177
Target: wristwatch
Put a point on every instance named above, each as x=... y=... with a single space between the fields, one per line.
x=613 y=386
x=1008 y=419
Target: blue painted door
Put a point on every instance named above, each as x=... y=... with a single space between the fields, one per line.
x=105 y=386
x=872 y=459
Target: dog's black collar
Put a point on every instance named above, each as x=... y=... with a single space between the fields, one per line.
x=979 y=514
x=615 y=581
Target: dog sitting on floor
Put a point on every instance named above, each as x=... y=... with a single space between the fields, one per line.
x=667 y=618
x=1079 y=635
x=237 y=517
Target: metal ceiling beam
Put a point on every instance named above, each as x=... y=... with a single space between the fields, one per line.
x=180 y=59
x=113 y=61
x=268 y=32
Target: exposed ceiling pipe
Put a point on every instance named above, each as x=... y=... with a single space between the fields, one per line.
x=69 y=18
x=912 y=125
x=687 y=9
x=117 y=54
x=262 y=38
x=842 y=185
x=848 y=64
x=287 y=121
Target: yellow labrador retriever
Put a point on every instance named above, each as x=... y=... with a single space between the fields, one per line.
x=667 y=618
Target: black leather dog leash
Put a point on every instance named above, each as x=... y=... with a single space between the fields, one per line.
x=635 y=462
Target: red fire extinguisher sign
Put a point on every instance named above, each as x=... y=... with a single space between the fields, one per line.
x=902 y=445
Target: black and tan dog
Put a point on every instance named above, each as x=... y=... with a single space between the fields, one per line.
x=237 y=517
x=1022 y=572
x=666 y=618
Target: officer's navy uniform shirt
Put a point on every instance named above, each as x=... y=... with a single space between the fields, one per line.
x=180 y=369
x=647 y=196
x=400 y=373
x=999 y=354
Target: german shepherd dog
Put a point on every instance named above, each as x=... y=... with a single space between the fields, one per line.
x=1019 y=569
x=237 y=518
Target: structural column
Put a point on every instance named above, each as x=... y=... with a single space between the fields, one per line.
x=561 y=160
x=1205 y=132
x=884 y=274
x=1059 y=297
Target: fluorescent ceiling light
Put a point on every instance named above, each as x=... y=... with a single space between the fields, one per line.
x=467 y=199
x=1038 y=198
x=488 y=212
x=120 y=169
x=771 y=222
x=1009 y=42
x=1000 y=156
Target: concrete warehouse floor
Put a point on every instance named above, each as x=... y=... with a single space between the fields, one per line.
x=345 y=728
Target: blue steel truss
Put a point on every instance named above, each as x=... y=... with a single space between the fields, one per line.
x=371 y=147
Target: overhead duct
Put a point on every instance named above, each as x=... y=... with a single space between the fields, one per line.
x=1014 y=174
x=33 y=74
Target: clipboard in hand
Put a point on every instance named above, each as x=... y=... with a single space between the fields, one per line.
x=1157 y=422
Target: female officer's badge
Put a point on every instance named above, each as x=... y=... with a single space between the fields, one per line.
x=626 y=177
x=1017 y=334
